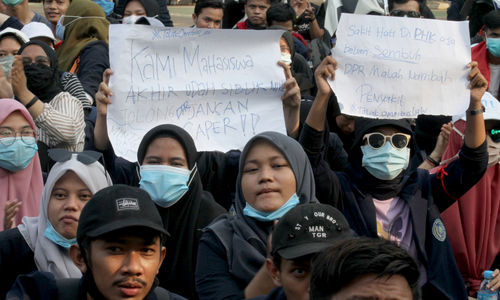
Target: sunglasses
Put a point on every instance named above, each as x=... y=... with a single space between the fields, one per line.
x=403 y=13
x=86 y=157
x=495 y=135
x=377 y=140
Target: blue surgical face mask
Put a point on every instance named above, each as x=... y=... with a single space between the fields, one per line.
x=54 y=236
x=18 y=155
x=251 y=212
x=165 y=184
x=385 y=163
x=107 y=6
x=493 y=45
x=12 y=2
x=60 y=30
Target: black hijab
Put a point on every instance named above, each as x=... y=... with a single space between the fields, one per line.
x=150 y=6
x=379 y=189
x=185 y=219
x=43 y=81
x=245 y=238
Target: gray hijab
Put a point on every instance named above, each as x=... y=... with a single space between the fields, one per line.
x=244 y=238
x=48 y=256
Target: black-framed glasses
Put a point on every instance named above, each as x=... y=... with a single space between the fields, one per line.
x=377 y=140
x=403 y=13
x=85 y=157
x=8 y=136
x=495 y=135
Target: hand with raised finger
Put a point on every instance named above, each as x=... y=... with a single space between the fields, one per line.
x=104 y=93
x=291 y=96
x=309 y=12
x=11 y=210
x=326 y=69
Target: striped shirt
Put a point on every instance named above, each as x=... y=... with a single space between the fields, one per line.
x=62 y=124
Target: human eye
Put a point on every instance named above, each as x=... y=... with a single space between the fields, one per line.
x=250 y=168
x=299 y=272
x=85 y=196
x=59 y=195
x=114 y=249
x=148 y=251
x=5 y=132
x=27 y=132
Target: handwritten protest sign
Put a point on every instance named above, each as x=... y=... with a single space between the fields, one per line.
x=222 y=86
x=391 y=67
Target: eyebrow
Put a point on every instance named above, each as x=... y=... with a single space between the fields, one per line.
x=255 y=161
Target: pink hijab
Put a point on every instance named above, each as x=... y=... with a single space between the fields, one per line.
x=25 y=185
x=474 y=220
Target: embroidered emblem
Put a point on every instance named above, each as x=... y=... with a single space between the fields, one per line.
x=438 y=230
x=127 y=204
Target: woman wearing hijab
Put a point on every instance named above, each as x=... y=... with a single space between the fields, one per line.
x=153 y=8
x=84 y=51
x=274 y=176
x=21 y=181
x=381 y=198
x=474 y=218
x=42 y=243
x=167 y=157
x=58 y=115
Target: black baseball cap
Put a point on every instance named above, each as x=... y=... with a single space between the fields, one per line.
x=309 y=228
x=117 y=207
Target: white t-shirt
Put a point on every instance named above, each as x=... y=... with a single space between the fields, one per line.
x=494 y=79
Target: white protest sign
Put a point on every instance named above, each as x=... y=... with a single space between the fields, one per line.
x=222 y=86
x=390 y=67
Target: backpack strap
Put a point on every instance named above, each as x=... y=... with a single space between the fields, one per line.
x=67 y=288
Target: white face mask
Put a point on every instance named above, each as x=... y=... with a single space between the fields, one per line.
x=286 y=58
x=493 y=151
x=130 y=19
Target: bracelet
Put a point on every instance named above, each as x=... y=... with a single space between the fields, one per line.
x=432 y=161
x=35 y=99
x=473 y=112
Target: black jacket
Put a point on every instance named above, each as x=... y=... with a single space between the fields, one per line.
x=16 y=258
x=426 y=194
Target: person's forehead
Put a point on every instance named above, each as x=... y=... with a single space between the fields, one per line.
x=411 y=5
x=33 y=50
x=494 y=30
x=211 y=11
x=9 y=40
x=386 y=129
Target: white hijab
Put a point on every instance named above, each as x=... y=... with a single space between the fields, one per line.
x=50 y=257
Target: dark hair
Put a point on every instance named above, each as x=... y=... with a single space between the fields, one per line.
x=12 y=35
x=149 y=235
x=339 y=265
x=270 y=2
x=280 y=12
x=420 y=4
x=201 y=4
x=492 y=19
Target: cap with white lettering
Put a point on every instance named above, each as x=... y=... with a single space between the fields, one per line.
x=307 y=229
x=117 y=207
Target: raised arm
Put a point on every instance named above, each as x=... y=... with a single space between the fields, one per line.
x=291 y=102
x=101 y=139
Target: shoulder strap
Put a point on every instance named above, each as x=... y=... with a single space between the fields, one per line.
x=67 y=288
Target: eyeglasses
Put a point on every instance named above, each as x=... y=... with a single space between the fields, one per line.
x=377 y=140
x=495 y=135
x=8 y=136
x=403 y=13
x=39 y=60
x=86 y=157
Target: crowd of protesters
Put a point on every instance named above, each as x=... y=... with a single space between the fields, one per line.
x=342 y=207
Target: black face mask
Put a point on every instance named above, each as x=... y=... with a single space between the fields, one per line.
x=41 y=81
